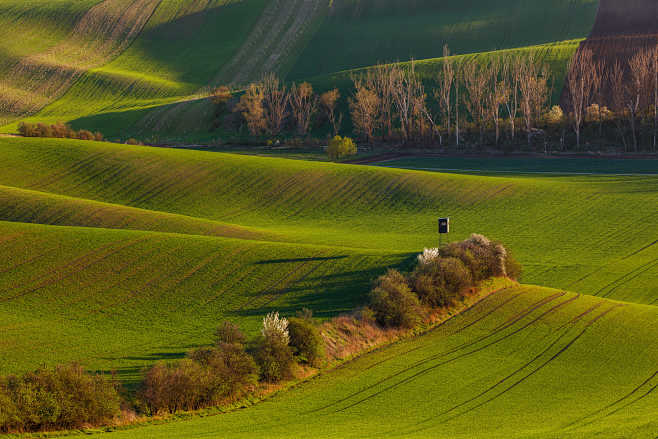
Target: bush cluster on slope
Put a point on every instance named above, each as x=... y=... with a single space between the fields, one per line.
x=59 y=398
x=440 y=279
x=58 y=130
x=67 y=397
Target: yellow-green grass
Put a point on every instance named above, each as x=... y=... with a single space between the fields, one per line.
x=527 y=362
x=29 y=206
x=40 y=23
x=116 y=299
x=594 y=234
x=358 y=34
x=179 y=52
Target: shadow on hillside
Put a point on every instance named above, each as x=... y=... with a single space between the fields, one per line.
x=336 y=293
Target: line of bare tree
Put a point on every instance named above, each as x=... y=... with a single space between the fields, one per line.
x=474 y=102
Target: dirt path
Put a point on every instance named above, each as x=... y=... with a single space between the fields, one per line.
x=105 y=31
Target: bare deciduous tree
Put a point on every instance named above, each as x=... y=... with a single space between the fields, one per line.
x=252 y=109
x=364 y=108
x=639 y=66
x=514 y=69
x=304 y=104
x=275 y=98
x=382 y=81
x=498 y=92
x=580 y=87
x=408 y=94
x=618 y=91
x=328 y=102
x=444 y=92
x=475 y=82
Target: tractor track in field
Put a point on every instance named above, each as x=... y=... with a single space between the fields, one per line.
x=564 y=329
x=478 y=319
x=637 y=271
x=519 y=381
x=459 y=348
x=635 y=390
x=442 y=363
x=25 y=262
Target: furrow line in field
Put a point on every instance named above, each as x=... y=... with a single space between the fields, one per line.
x=465 y=345
x=543 y=365
x=442 y=363
x=522 y=379
x=635 y=390
x=75 y=262
x=57 y=176
x=475 y=305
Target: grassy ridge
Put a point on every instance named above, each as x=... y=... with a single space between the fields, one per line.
x=176 y=54
x=362 y=33
x=120 y=300
x=40 y=23
x=44 y=208
x=594 y=234
x=527 y=362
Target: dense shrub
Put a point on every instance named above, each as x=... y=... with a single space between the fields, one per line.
x=275 y=358
x=231 y=372
x=440 y=281
x=393 y=303
x=228 y=332
x=306 y=341
x=170 y=387
x=513 y=267
x=58 y=130
x=483 y=258
x=273 y=353
x=341 y=147
x=207 y=377
x=58 y=398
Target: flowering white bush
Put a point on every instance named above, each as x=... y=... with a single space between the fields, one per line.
x=428 y=255
x=276 y=327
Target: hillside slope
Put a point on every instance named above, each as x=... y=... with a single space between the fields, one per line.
x=527 y=362
x=361 y=33
x=594 y=234
x=120 y=300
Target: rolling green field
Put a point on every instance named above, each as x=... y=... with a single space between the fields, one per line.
x=362 y=33
x=120 y=256
x=135 y=253
x=527 y=362
x=152 y=81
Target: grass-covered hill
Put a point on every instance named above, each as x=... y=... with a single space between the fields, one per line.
x=589 y=233
x=146 y=71
x=361 y=33
x=134 y=253
x=527 y=362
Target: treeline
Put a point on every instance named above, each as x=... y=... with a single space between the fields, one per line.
x=58 y=130
x=499 y=102
x=235 y=367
